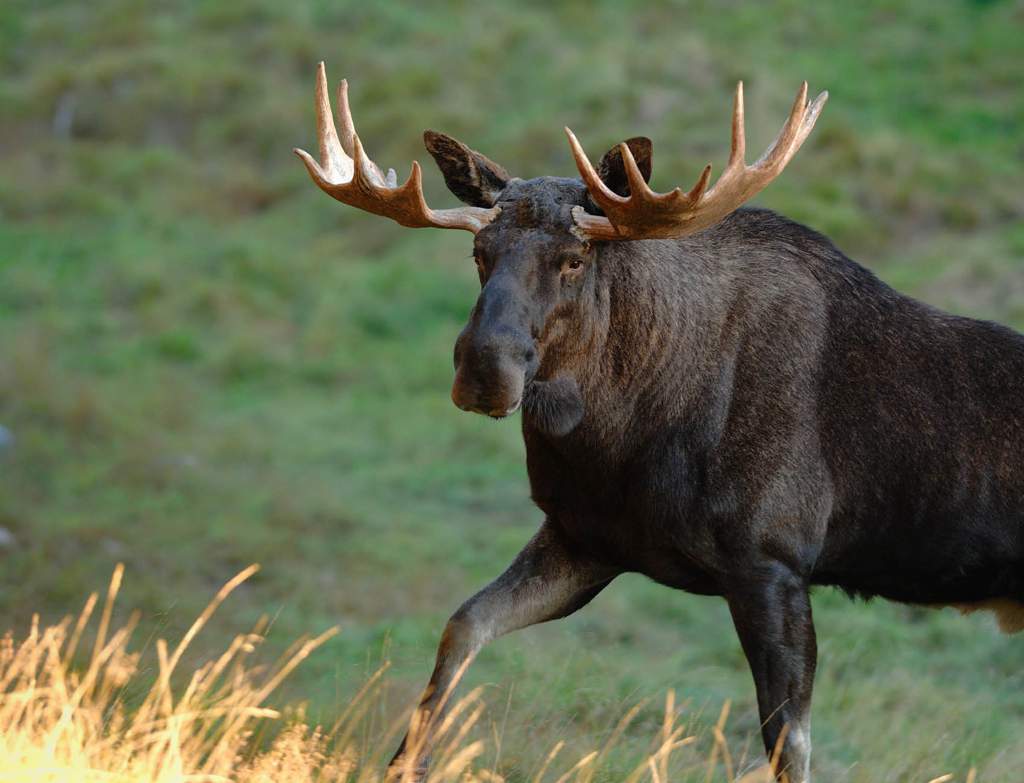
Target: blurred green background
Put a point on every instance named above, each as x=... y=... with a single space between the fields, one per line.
x=205 y=362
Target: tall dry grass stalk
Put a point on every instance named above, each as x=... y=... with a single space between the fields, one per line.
x=61 y=723
x=58 y=723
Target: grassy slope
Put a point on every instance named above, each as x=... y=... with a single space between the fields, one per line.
x=205 y=362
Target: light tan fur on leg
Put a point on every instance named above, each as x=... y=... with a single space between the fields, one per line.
x=1009 y=614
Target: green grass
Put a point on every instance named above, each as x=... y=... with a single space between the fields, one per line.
x=205 y=362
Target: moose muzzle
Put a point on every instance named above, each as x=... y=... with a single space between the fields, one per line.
x=495 y=356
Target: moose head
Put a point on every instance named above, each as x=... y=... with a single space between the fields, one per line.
x=538 y=243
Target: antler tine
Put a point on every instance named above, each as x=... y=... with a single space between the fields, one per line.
x=811 y=116
x=315 y=171
x=598 y=190
x=738 y=150
x=333 y=159
x=637 y=185
x=649 y=215
x=797 y=129
x=367 y=174
x=781 y=150
x=348 y=174
x=348 y=128
x=697 y=192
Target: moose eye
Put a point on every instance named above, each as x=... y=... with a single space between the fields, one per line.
x=573 y=264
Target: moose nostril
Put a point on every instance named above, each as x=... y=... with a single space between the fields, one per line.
x=460 y=399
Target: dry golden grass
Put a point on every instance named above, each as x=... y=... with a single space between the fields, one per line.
x=61 y=723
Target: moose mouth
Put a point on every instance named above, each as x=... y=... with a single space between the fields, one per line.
x=504 y=414
x=554 y=406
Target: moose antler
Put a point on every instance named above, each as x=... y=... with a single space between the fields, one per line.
x=645 y=214
x=346 y=173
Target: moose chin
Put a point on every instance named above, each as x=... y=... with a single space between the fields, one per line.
x=715 y=397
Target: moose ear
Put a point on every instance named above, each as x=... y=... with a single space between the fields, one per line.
x=474 y=178
x=612 y=170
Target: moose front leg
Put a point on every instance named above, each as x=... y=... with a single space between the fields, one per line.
x=772 y=614
x=546 y=581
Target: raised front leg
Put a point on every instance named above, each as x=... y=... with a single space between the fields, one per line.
x=546 y=581
x=772 y=613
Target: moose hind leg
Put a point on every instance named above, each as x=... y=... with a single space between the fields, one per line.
x=772 y=614
x=546 y=581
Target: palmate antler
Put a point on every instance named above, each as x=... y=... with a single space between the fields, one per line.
x=645 y=214
x=347 y=173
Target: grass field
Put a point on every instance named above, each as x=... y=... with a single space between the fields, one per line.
x=205 y=362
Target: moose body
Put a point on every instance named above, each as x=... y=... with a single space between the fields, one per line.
x=753 y=394
x=739 y=411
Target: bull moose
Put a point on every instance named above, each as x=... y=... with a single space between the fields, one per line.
x=715 y=397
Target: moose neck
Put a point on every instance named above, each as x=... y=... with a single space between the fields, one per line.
x=643 y=356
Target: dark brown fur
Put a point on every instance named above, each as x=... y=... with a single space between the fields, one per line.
x=746 y=413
